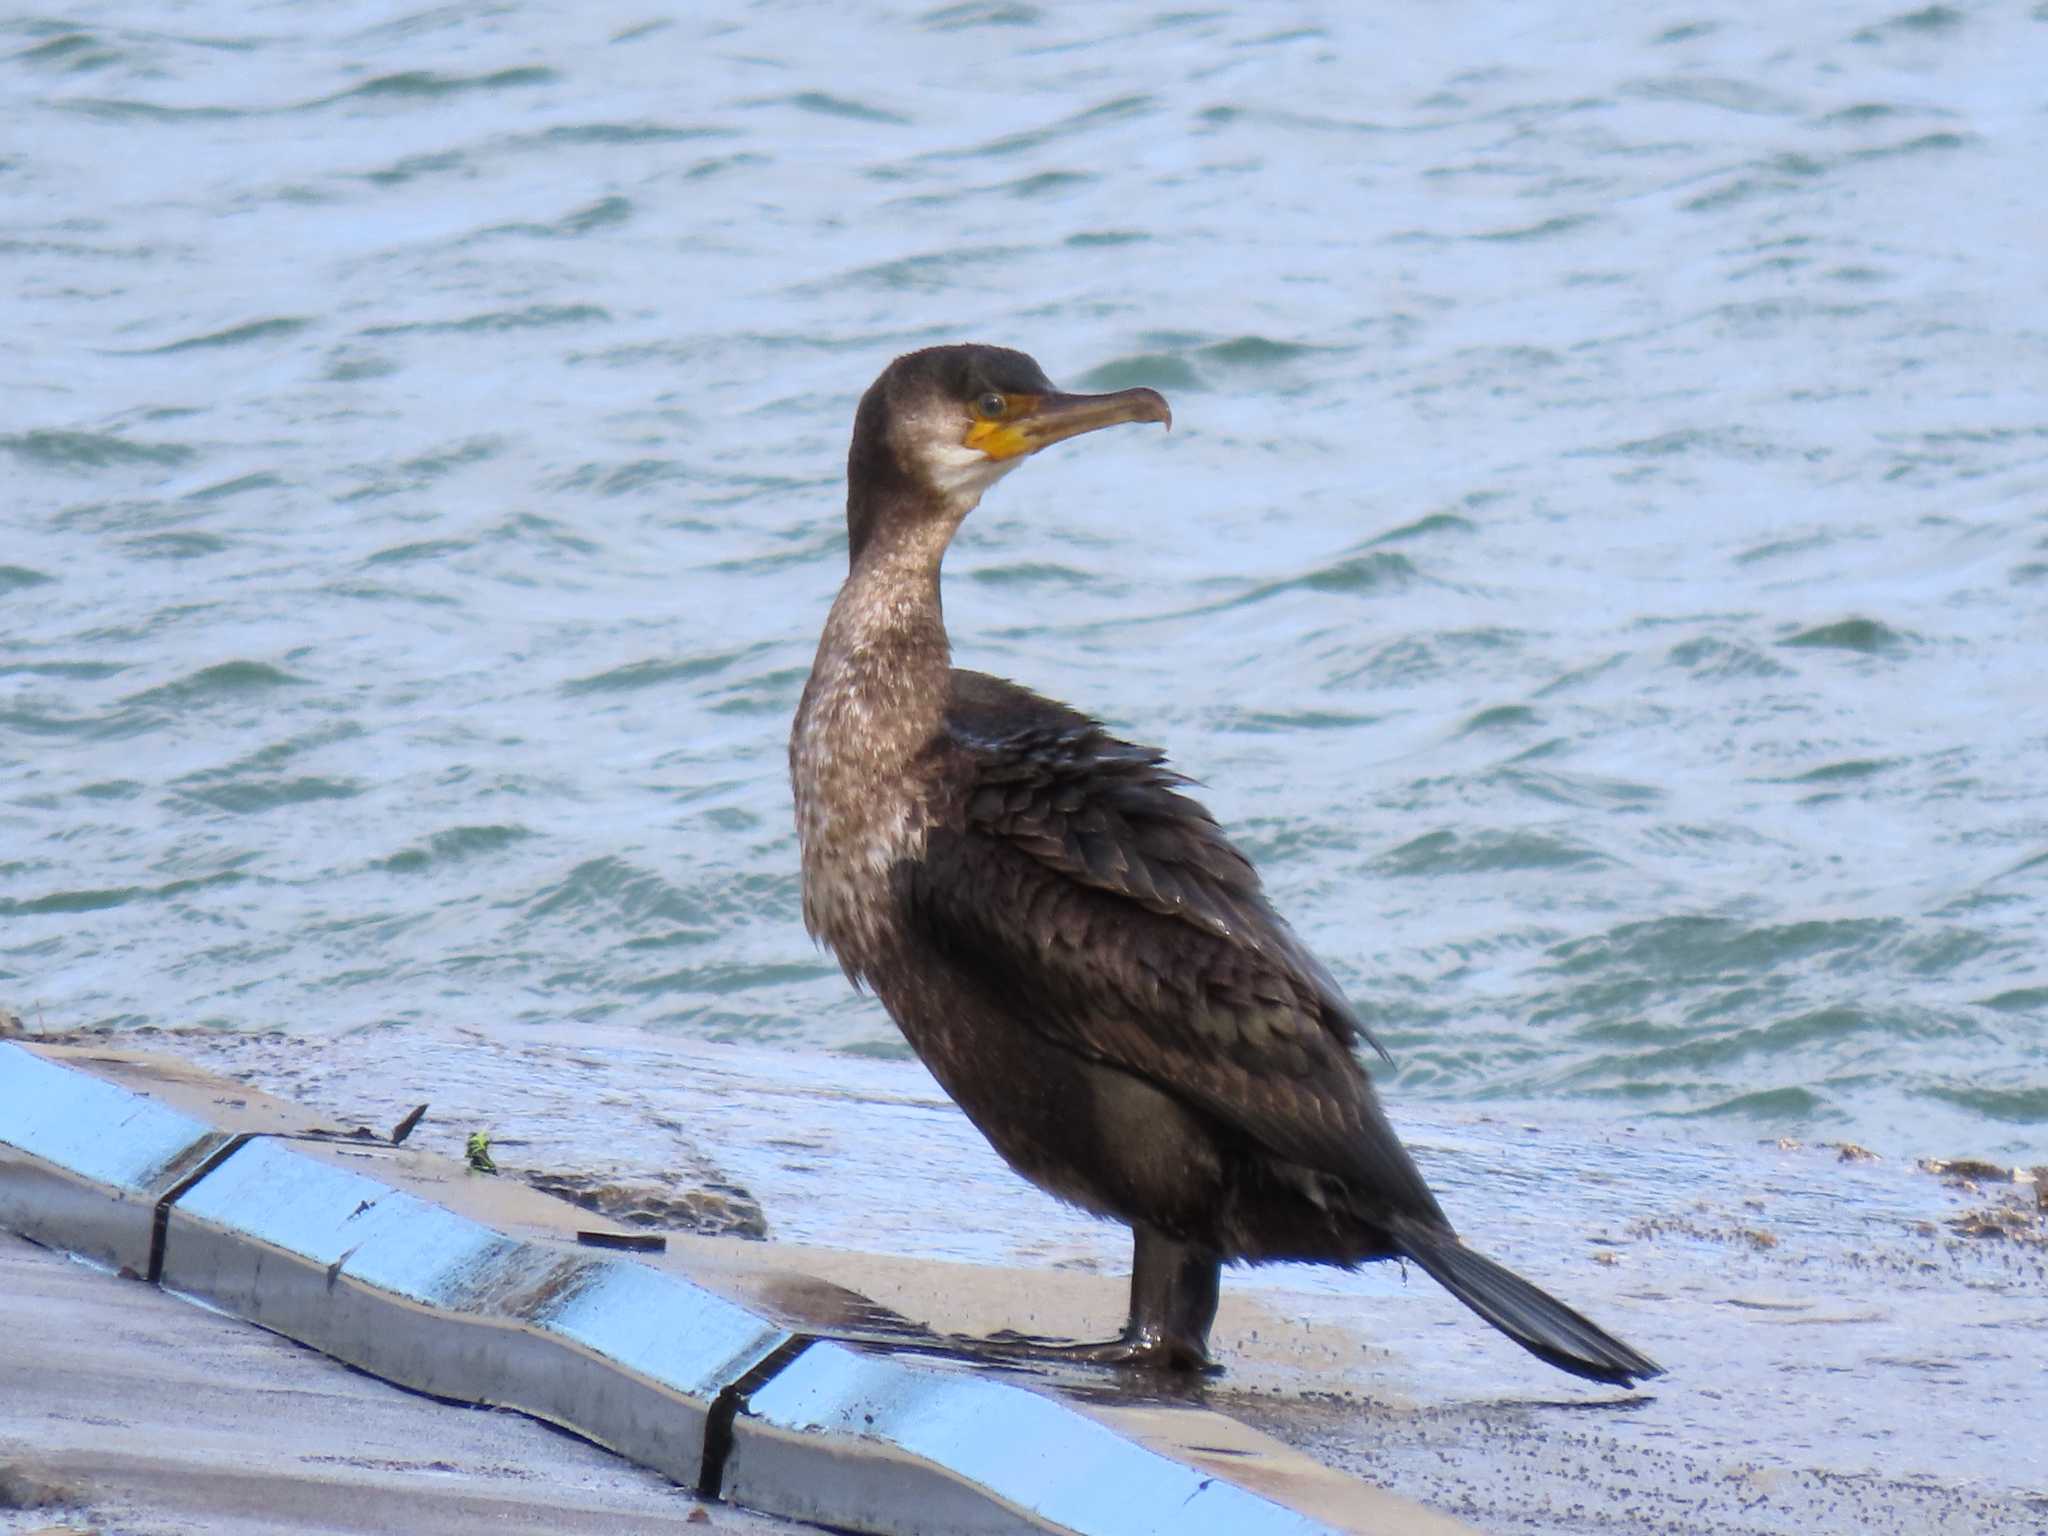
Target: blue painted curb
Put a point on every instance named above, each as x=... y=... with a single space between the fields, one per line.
x=410 y=1291
x=638 y=1359
x=858 y=1438
x=84 y=1165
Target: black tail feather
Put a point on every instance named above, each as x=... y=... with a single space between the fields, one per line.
x=1540 y=1323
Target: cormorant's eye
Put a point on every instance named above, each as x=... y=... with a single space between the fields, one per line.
x=990 y=406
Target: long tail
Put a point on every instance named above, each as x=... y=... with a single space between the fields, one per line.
x=1540 y=1323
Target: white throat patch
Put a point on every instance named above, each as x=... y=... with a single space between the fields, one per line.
x=959 y=474
x=962 y=474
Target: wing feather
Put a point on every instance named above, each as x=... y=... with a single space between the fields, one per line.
x=1071 y=873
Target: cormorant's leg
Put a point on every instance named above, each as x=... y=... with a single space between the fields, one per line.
x=1191 y=1307
x=1173 y=1301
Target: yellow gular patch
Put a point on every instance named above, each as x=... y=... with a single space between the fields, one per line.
x=998 y=439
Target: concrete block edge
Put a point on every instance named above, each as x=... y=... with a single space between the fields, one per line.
x=735 y=1406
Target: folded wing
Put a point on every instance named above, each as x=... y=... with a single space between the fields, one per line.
x=1073 y=876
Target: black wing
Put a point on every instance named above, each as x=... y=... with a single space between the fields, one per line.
x=1071 y=873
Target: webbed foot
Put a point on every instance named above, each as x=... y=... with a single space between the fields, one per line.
x=1173 y=1302
x=1139 y=1349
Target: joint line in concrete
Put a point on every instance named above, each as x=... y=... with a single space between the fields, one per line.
x=160 y=1223
x=731 y=1399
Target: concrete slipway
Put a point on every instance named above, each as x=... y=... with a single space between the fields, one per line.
x=1855 y=1342
x=720 y=1365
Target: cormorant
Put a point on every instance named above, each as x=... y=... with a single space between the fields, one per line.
x=1071 y=944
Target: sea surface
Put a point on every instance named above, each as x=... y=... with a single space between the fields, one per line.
x=1599 y=567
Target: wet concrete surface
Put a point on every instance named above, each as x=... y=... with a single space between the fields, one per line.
x=429 y=1272
x=123 y=1409
x=1843 y=1355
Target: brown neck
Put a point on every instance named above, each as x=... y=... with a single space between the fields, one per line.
x=887 y=628
x=876 y=697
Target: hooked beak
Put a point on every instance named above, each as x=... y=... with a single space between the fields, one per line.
x=1038 y=421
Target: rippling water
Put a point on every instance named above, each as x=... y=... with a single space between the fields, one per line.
x=1599 y=566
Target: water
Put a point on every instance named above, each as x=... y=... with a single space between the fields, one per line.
x=1599 y=565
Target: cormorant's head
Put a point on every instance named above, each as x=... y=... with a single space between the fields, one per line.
x=940 y=426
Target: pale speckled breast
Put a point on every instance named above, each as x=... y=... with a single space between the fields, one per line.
x=875 y=699
x=860 y=809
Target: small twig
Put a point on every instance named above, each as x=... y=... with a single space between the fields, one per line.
x=404 y=1127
